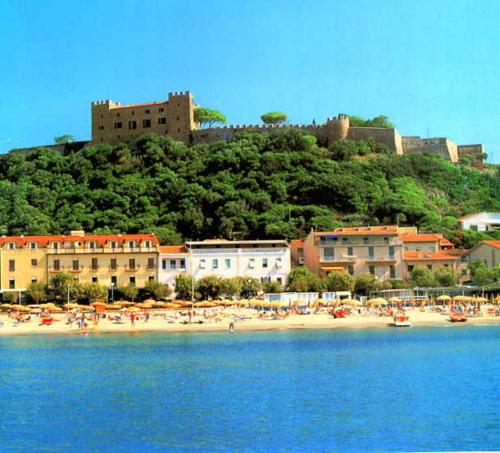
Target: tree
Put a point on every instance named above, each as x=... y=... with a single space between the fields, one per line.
x=92 y=292
x=129 y=292
x=209 y=287
x=36 y=292
x=483 y=275
x=63 y=139
x=157 y=290
x=338 y=281
x=208 y=117
x=301 y=279
x=62 y=286
x=272 y=286
x=364 y=284
x=274 y=118
x=378 y=121
x=445 y=277
x=230 y=287
x=422 y=277
x=184 y=287
x=250 y=287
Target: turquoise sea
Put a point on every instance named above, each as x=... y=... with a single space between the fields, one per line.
x=413 y=389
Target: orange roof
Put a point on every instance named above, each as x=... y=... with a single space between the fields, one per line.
x=147 y=104
x=455 y=252
x=172 y=249
x=428 y=256
x=363 y=230
x=299 y=243
x=446 y=243
x=422 y=237
x=100 y=239
x=493 y=243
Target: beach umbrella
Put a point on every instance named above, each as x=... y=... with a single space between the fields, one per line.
x=205 y=304
x=133 y=309
x=55 y=310
x=394 y=299
x=377 y=301
x=172 y=305
x=124 y=303
x=7 y=306
x=70 y=305
x=149 y=301
x=143 y=305
x=19 y=307
x=351 y=302
x=444 y=298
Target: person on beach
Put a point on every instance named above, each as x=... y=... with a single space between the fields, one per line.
x=132 y=319
x=231 y=327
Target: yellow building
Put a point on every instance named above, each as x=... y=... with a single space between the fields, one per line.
x=115 y=259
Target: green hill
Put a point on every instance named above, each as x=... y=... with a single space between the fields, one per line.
x=255 y=186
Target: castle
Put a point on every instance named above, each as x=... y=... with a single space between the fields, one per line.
x=113 y=122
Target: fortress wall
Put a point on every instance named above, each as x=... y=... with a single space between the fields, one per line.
x=388 y=136
x=214 y=134
x=474 y=152
x=440 y=146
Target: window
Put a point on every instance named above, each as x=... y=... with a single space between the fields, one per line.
x=350 y=269
x=164 y=264
x=34 y=279
x=371 y=269
x=371 y=252
x=173 y=264
x=350 y=251
x=264 y=262
x=132 y=124
x=101 y=128
x=215 y=263
x=118 y=125
x=95 y=264
x=446 y=265
x=227 y=263
x=365 y=240
x=112 y=263
x=162 y=120
x=147 y=111
x=34 y=262
x=329 y=253
x=12 y=283
x=118 y=114
x=148 y=244
x=76 y=265
x=182 y=264
x=57 y=265
x=92 y=244
x=410 y=267
x=203 y=264
x=151 y=263
x=132 y=244
x=392 y=271
x=12 y=245
x=33 y=245
x=391 y=253
x=132 y=280
x=94 y=279
x=429 y=266
x=12 y=265
x=55 y=245
x=131 y=263
x=278 y=262
x=161 y=109
x=251 y=263
x=464 y=271
x=151 y=278
x=113 y=280
x=386 y=239
x=112 y=244
x=146 y=123
x=279 y=280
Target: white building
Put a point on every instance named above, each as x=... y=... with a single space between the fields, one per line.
x=482 y=221
x=266 y=260
x=173 y=260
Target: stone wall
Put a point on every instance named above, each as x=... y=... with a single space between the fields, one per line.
x=441 y=146
x=388 y=136
x=473 y=152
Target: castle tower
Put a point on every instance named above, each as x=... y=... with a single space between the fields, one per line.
x=101 y=120
x=337 y=128
x=180 y=118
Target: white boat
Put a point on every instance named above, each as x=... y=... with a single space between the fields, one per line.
x=402 y=321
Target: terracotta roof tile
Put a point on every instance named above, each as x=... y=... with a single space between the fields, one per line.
x=172 y=249
x=100 y=239
x=421 y=237
x=428 y=256
x=493 y=243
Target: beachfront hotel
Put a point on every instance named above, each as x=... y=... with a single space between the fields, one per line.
x=388 y=252
x=113 y=259
x=173 y=260
x=266 y=260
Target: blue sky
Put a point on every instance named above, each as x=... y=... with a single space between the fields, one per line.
x=431 y=66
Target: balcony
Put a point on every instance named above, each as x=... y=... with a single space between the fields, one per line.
x=381 y=260
x=129 y=268
x=344 y=259
x=83 y=250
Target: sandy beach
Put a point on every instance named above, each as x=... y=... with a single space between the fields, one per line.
x=243 y=319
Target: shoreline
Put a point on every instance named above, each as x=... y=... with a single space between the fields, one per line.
x=297 y=322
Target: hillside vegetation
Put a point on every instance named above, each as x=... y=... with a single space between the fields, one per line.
x=255 y=186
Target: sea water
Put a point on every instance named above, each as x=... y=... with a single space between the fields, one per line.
x=412 y=389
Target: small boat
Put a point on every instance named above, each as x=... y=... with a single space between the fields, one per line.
x=402 y=321
x=457 y=317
